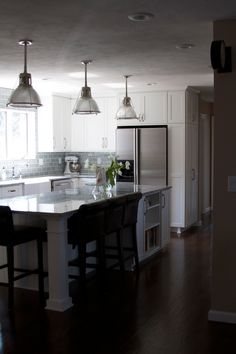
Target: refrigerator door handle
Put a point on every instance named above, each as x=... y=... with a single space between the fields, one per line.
x=136 y=156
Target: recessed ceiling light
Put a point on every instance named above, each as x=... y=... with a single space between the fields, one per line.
x=80 y=75
x=185 y=46
x=152 y=83
x=116 y=85
x=140 y=16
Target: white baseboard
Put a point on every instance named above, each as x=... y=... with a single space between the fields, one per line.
x=222 y=316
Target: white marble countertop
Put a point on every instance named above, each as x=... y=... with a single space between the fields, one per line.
x=40 y=179
x=67 y=201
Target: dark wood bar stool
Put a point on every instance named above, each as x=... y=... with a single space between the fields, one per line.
x=121 y=219
x=84 y=227
x=130 y=221
x=113 y=226
x=11 y=236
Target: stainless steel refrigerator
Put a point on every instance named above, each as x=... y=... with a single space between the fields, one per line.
x=146 y=148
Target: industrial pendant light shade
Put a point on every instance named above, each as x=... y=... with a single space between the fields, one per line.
x=85 y=104
x=24 y=96
x=126 y=110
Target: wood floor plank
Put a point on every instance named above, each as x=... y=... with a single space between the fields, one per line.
x=162 y=311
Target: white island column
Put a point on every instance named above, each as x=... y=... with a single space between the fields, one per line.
x=58 y=282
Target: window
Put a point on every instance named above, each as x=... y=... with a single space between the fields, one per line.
x=17 y=134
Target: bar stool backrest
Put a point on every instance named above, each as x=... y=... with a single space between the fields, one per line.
x=6 y=223
x=115 y=214
x=87 y=222
x=131 y=209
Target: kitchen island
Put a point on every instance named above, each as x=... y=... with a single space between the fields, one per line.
x=56 y=207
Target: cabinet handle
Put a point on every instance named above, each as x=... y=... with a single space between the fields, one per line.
x=11 y=190
x=163 y=201
x=193 y=174
x=103 y=143
x=145 y=208
x=143 y=117
x=106 y=142
x=65 y=143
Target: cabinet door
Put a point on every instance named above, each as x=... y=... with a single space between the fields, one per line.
x=45 y=125
x=176 y=150
x=191 y=179
x=165 y=218
x=77 y=130
x=95 y=128
x=155 y=108
x=176 y=107
x=13 y=190
x=177 y=202
x=110 y=123
x=192 y=109
x=61 y=123
x=176 y=157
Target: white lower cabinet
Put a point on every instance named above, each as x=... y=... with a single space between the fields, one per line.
x=12 y=190
x=37 y=188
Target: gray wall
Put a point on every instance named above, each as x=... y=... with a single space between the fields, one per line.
x=223 y=298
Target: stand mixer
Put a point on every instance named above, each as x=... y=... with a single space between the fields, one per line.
x=72 y=167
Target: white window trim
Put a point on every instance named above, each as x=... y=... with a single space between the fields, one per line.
x=30 y=114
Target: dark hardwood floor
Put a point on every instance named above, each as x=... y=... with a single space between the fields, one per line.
x=163 y=311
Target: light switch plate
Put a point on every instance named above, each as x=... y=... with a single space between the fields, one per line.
x=231 y=183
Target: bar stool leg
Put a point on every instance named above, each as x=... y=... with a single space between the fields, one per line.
x=120 y=251
x=82 y=264
x=40 y=271
x=135 y=247
x=10 y=262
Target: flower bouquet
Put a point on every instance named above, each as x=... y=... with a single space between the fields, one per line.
x=115 y=169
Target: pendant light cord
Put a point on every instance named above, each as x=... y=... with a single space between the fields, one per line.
x=126 y=89
x=25 y=54
x=85 y=69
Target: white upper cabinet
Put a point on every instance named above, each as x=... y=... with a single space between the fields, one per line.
x=150 y=108
x=95 y=132
x=77 y=130
x=176 y=107
x=54 y=124
x=192 y=109
x=61 y=123
x=45 y=125
x=155 y=108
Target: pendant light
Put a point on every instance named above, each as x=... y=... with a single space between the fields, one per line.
x=85 y=104
x=126 y=110
x=24 y=96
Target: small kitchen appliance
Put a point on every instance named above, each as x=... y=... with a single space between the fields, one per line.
x=72 y=166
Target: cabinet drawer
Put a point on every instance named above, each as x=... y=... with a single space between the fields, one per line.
x=12 y=190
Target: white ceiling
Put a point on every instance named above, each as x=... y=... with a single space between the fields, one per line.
x=67 y=31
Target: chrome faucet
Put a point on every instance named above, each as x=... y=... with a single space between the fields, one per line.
x=13 y=172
